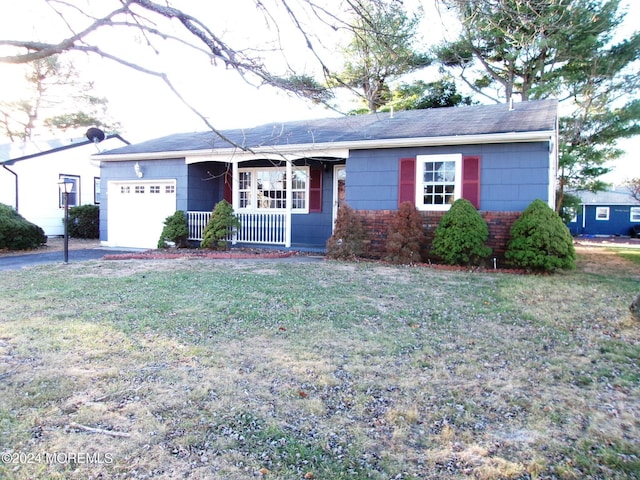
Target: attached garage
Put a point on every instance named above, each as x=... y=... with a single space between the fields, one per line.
x=136 y=211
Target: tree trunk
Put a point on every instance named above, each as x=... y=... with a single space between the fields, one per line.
x=634 y=308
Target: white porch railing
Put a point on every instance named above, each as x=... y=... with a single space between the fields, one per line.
x=268 y=228
x=264 y=228
x=196 y=222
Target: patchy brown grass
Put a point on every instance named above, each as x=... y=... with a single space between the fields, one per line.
x=215 y=369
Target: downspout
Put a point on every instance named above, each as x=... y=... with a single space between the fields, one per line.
x=235 y=194
x=15 y=175
x=288 y=204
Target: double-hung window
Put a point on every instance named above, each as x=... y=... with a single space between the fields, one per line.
x=634 y=214
x=263 y=189
x=439 y=181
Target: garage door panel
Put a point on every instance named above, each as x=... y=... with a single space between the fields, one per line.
x=137 y=210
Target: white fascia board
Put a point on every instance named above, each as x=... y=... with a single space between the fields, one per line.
x=275 y=153
x=336 y=150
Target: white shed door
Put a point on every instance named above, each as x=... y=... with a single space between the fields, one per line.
x=137 y=210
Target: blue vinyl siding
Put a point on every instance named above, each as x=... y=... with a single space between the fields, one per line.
x=372 y=179
x=312 y=230
x=512 y=175
x=206 y=185
x=619 y=222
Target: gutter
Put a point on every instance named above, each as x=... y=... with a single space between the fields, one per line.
x=15 y=175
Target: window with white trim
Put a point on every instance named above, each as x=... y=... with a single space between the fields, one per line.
x=261 y=189
x=634 y=214
x=74 y=194
x=602 y=213
x=439 y=181
x=96 y=190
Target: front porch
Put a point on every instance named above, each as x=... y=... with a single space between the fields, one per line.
x=286 y=204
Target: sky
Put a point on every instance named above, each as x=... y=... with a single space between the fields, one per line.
x=146 y=108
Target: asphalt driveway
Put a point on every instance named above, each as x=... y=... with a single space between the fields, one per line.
x=16 y=262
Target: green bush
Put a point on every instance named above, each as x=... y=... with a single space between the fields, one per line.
x=540 y=241
x=16 y=233
x=220 y=226
x=461 y=235
x=405 y=236
x=349 y=237
x=175 y=230
x=84 y=221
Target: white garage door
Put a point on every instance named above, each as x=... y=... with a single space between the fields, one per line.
x=137 y=210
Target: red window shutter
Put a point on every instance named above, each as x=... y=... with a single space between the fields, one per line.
x=315 y=190
x=407 y=180
x=228 y=181
x=471 y=180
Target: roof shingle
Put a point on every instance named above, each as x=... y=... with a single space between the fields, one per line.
x=535 y=116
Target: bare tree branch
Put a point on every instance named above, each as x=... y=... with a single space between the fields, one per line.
x=138 y=16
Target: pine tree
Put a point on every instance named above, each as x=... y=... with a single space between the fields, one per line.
x=220 y=226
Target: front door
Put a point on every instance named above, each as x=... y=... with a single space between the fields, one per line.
x=339 y=190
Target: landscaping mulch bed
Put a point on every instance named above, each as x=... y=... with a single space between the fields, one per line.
x=245 y=253
x=239 y=253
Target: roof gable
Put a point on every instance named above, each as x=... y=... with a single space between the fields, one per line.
x=11 y=153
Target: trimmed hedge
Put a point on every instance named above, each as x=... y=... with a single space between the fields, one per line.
x=461 y=236
x=540 y=241
x=84 y=221
x=17 y=233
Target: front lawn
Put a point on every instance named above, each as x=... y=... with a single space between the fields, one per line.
x=212 y=369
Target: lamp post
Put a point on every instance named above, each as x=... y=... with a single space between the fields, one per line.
x=66 y=188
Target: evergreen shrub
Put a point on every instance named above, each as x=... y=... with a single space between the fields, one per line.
x=540 y=241
x=405 y=236
x=84 y=221
x=17 y=233
x=175 y=230
x=349 y=239
x=220 y=226
x=461 y=235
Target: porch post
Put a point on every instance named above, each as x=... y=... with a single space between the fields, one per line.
x=235 y=194
x=288 y=203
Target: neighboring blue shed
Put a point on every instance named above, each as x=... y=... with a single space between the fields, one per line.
x=286 y=181
x=610 y=213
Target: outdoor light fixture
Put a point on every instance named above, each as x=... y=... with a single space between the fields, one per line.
x=138 y=170
x=66 y=188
